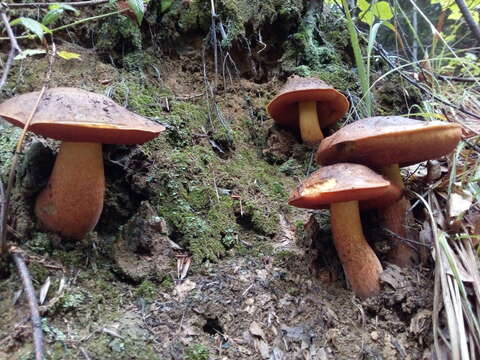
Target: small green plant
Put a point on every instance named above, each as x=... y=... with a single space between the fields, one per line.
x=197 y=352
x=147 y=290
x=72 y=300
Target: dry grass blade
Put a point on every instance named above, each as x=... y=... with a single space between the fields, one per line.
x=456 y=294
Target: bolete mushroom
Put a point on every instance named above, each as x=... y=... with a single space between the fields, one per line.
x=309 y=104
x=386 y=143
x=72 y=201
x=343 y=187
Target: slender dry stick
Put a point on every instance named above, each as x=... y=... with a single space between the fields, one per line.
x=472 y=24
x=46 y=4
x=214 y=39
x=14 y=48
x=32 y=302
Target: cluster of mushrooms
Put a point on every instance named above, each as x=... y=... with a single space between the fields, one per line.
x=360 y=170
x=72 y=201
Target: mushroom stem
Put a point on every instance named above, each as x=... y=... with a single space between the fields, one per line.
x=361 y=265
x=309 y=126
x=396 y=219
x=72 y=201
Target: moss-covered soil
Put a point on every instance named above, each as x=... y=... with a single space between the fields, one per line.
x=197 y=254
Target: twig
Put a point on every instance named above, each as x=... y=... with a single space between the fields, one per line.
x=214 y=39
x=78 y=22
x=32 y=302
x=46 y=4
x=384 y=55
x=14 y=48
x=85 y=353
x=472 y=24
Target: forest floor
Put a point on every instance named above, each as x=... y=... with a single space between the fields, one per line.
x=197 y=254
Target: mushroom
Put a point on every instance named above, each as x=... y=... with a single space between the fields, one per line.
x=72 y=201
x=308 y=104
x=387 y=143
x=343 y=187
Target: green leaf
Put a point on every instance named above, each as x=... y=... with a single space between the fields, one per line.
x=32 y=25
x=64 y=7
x=138 y=8
x=363 y=5
x=383 y=10
x=165 y=5
x=29 y=52
x=52 y=16
x=68 y=55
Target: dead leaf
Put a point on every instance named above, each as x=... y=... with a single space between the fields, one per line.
x=44 y=291
x=256 y=330
x=181 y=290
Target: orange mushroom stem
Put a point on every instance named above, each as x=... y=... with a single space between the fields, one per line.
x=361 y=265
x=310 y=130
x=72 y=201
x=345 y=188
x=395 y=219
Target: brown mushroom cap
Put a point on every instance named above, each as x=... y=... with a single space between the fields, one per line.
x=71 y=114
x=386 y=140
x=341 y=183
x=331 y=104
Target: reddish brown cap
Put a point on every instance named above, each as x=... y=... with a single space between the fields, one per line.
x=331 y=104
x=71 y=114
x=386 y=140
x=341 y=183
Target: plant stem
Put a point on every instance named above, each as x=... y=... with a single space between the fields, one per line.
x=362 y=72
x=81 y=21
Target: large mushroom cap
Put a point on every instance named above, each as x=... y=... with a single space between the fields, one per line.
x=341 y=183
x=331 y=104
x=386 y=140
x=71 y=114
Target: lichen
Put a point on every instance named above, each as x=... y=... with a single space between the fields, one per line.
x=8 y=140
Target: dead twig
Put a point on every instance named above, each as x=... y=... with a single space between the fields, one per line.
x=14 y=48
x=32 y=301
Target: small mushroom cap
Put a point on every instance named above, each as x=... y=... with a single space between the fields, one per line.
x=331 y=104
x=386 y=140
x=71 y=114
x=341 y=183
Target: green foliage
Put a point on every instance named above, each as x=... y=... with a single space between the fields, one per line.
x=197 y=352
x=31 y=25
x=454 y=12
x=71 y=301
x=138 y=9
x=146 y=290
x=119 y=32
x=372 y=11
x=55 y=11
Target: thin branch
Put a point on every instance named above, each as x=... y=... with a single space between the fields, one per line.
x=385 y=56
x=14 y=48
x=32 y=302
x=46 y=4
x=472 y=24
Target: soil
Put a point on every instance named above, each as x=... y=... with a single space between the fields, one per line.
x=197 y=255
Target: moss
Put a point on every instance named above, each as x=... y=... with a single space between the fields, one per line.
x=139 y=96
x=147 y=290
x=118 y=35
x=197 y=352
x=235 y=15
x=318 y=49
x=8 y=140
